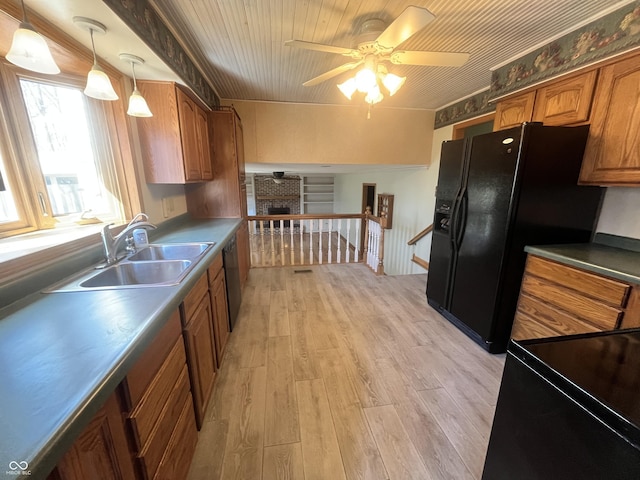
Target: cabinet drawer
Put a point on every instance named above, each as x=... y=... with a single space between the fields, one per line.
x=142 y=373
x=573 y=302
x=177 y=457
x=604 y=289
x=154 y=448
x=215 y=268
x=536 y=319
x=193 y=298
x=147 y=413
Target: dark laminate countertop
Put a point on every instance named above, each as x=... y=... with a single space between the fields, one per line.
x=63 y=354
x=614 y=257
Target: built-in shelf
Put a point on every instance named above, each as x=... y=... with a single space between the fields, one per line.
x=317 y=195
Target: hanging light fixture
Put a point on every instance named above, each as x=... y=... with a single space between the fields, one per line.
x=29 y=49
x=369 y=80
x=98 y=83
x=137 y=104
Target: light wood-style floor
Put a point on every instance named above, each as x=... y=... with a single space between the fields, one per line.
x=339 y=374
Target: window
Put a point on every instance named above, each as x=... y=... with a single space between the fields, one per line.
x=57 y=162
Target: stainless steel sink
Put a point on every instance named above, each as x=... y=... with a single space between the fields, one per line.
x=156 y=265
x=170 y=251
x=168 y=272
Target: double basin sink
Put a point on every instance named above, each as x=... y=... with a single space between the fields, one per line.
x=155 y=265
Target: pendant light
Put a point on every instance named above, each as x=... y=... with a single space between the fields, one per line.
x=137 y=104
x=98 y=83
x=29 y=49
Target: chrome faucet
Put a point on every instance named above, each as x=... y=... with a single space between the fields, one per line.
x=111 y=243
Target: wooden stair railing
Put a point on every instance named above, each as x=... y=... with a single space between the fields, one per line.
x=422 y=234
x=374 y=241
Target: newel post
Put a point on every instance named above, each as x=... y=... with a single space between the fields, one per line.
x=383 y=225
x=365 y=250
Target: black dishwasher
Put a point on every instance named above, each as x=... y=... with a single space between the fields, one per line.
x=232 y=276
x=568 y=408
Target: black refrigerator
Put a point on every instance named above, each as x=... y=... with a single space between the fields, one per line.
x=496 y=193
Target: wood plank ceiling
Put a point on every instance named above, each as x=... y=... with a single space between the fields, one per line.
x=239 y=44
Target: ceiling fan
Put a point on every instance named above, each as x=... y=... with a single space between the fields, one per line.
x=377 y=44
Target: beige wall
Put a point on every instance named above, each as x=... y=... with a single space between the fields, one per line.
x=326 y=134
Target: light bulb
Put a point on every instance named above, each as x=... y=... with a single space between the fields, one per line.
x=98 y=85
x=393 y=82
x=365 y=80
x=348 y=88
x=138 y=105
x=374 y=95
x=30 y=51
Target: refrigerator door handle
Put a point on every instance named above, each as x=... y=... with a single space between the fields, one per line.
x=461 y=220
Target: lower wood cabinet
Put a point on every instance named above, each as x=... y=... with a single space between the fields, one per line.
x=556 y=299
x=197 y=324
x=156 y=416
x=101 y=452
x=219 y=306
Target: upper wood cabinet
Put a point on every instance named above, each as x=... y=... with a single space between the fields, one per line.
x=513 y=111
x=175 y=141
x=612 y=155
x=226 y=195
x=566 y=102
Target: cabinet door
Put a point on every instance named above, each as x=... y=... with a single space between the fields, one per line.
x=513 y=111
x=612 y=155
x=201 y=357
x=101 y=451
x=566 y=102
x=204 y=149
x=188 y=133
x=220 y=314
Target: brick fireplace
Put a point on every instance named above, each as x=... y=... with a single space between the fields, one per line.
x=269 y=194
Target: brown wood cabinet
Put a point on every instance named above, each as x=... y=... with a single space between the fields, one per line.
x=197 y=321
x=218 y=290
x=565 y=102
x=512 y=111
x=226 y=195
x=175 y=141
x=556 y=299
x=156 y=404
x=612 y=156
x=101 y=452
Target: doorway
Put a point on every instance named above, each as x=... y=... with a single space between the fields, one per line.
x=368 y=200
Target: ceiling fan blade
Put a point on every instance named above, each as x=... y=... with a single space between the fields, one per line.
x=440 y=59
x=320 y=47
x=332 y=73
x=412 y=20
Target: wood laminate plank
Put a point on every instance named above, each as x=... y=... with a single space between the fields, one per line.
x=250 y=345
x=283 y=462
x=281 y=418
x=305 y=363
x=440 y=458
x=320 y=451
x=470 y=444
x=278 y=314
x=245 y=438
x=398 y=452
x=360 y=454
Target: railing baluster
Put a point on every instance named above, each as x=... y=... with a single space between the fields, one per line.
x=262 y=259
x=357 y=252
x=301 y=242
x=339 y=240
x=329 y=248
x=282 y=242
x=273 y=247
x=348 y=252
x=320 y=242
x=291 y=249
x=310 y=242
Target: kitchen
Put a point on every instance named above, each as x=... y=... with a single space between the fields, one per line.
x=618 y=216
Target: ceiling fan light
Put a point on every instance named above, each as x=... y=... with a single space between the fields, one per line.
x=348 y=88
x=374 y=95
x=99 y=86
x=393 y=83
x=365 y=80
x=138 y=105
x=30 y=51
